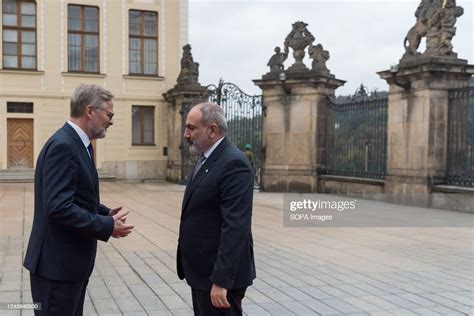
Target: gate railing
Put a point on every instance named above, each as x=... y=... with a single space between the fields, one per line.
x=244 y=115
x=357 y=135
x=460 y=157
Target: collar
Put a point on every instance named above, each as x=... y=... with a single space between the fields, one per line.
x=208 y=152
x=82 y=135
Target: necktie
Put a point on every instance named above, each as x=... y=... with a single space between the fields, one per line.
x=198 y=165
x=90 y=148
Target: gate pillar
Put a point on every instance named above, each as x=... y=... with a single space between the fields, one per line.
x=185 y=94
x=294 y=128
x=417 y=129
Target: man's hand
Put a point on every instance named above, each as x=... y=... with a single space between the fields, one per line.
x=219 y=297
x=115 y=211
x=120 y=228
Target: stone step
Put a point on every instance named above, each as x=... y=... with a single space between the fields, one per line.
x=28 y=175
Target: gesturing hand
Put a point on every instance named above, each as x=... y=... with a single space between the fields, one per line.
x=219 y=297
x=120 y=228
x=115 y=211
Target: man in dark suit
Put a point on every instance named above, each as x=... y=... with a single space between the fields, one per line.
x=215 y=247
x=68 y=217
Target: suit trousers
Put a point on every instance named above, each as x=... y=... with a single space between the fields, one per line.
x=57 y=297
x=202 y=304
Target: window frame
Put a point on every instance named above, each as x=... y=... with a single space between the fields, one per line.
x=142 y=39
x=20 y=107
x=142 y=123
x=82 y=34
x=19 y=29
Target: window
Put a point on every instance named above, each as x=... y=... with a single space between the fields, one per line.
x=19 y=34
x=19 y=107
x=83 y=38
x=143 y=125
x=143 y=42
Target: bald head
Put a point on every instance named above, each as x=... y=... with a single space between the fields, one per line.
x=212 y=114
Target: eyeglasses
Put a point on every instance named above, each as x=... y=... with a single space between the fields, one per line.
x=110 y=115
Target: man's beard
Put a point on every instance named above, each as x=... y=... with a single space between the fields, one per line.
x=97 y=132
x=193 y=149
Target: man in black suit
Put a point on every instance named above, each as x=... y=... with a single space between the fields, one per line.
x=215 y=247
x=68 y=217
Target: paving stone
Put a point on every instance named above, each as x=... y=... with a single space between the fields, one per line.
x=403 y=312
x=399 y=301
x=105 y=306
x=425 y=312
x=380 y=302
x=297 y=308
x=254 y=310
x=361 y=304
x=342 y=306
x=276 y=309
x=455 y=296
x=173 y=301
x=128 y=304
x=99 y=293
x=320 y=308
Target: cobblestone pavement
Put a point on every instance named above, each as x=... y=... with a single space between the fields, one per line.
x=301 y=271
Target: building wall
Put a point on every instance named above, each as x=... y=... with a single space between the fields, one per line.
x=50 y=87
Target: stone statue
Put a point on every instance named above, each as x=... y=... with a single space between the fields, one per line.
x=298 y=39
x=435 y=21
x=276 y=61
x=439 y=40
x=423 y=14
x=319 y=56
x=189 y=69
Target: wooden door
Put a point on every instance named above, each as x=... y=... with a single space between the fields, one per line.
x=20 y=143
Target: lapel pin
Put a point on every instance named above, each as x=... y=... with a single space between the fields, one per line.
x=207 y=170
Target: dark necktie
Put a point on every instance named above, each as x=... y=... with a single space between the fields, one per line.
x=90 y=148
x=198 y=165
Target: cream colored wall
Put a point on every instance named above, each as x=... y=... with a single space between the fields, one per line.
x=49 y=88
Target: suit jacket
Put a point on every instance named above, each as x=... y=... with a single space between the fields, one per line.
x=68 y=217
x=215 y=240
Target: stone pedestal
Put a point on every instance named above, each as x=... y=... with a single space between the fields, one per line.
x=180 y=99
x=294 y=129
x=418 y=123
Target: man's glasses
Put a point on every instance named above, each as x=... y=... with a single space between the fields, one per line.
x=110 y=115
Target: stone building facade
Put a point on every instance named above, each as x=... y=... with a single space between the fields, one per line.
x=131 y=47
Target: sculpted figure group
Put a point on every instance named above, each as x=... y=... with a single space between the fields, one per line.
x=435 y=20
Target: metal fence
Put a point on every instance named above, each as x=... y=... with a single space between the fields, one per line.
x=460 y=158
x=357 y=135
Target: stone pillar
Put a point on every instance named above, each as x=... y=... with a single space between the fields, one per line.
x=186 y=93
x=294 y=129
x=418 y=123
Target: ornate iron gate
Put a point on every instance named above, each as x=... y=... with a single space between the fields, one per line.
x=244 y=115
x=357 y=135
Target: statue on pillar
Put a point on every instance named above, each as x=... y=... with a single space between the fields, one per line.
x=319 y=57
x=276 y=61
x=435 y=21
x=298 y=39
x=439 y=37
x=189 y=69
